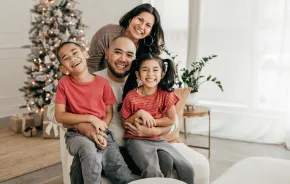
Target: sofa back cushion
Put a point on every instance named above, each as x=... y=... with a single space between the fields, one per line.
x=182 y=93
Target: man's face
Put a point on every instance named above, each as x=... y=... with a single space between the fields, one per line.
x=120 y=55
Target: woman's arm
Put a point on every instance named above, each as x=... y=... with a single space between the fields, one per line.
x=96 y=53
x=99 y=43
x=62 y=116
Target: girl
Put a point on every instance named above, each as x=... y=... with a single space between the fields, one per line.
x=154 y=103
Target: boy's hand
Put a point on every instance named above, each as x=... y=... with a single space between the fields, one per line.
x=147 y=119
x=101 y=141
x=99 y=124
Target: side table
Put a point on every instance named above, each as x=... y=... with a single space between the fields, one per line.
x=197 y=111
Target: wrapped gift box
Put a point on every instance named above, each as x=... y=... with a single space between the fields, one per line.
x=38 y=118
x=45 y=118
x=18 y=122
x=50 y=130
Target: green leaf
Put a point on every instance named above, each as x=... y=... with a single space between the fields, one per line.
x=221 y=87
x=208 y=78
x=214 y=79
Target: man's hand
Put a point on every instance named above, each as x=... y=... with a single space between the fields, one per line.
x=99 y=124
x=147 y=119
x=102 y=141
x=140 y=130
x=90 y=131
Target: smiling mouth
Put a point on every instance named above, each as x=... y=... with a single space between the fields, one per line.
x=119 y=66
x=150 y=80
x=138 y=31
x=75 y=64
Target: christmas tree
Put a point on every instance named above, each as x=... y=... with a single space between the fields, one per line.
x=53 y=22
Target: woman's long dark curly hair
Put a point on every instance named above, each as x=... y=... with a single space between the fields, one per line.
x=156 y=32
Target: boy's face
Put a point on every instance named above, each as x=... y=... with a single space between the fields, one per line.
x=73 y=59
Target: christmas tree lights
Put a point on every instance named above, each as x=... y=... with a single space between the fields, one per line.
x=53 y=22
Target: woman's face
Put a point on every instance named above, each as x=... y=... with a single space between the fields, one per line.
x=140 y=26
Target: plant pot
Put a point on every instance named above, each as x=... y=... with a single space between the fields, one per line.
x=192 y=99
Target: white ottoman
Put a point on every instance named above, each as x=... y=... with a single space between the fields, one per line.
x=257 y=170
x=157 y=180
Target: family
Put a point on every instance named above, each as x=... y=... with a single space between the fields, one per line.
x=117 y=102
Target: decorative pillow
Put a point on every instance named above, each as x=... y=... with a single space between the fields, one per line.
x=182 y=93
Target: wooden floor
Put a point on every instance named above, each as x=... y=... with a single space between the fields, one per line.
x=20 y=155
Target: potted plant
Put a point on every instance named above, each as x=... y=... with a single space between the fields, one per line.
x=193 y=78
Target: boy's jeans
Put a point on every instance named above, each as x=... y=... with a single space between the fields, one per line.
x=92 y=159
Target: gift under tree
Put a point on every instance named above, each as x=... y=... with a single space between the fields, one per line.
x=53 y=22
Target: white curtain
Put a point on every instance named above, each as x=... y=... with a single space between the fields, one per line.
x=252 y=41
x=174 y=19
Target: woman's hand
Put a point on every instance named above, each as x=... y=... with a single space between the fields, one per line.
x=147 y=119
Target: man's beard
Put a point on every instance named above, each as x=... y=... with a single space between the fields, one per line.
x=118 y=75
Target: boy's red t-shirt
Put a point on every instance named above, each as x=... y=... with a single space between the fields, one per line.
x=85 y=97
x=156 y=104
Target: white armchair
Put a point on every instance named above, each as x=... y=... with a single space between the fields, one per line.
x=198 y=161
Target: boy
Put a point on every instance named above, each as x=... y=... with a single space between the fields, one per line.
x=82 y=97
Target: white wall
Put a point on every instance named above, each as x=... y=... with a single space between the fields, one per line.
x=15 y=23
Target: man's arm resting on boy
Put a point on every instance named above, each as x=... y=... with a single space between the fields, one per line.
x=89 y=131
x=85 y=128
x=62 y=116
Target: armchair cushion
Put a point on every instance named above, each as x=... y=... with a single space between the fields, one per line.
x=182 y=93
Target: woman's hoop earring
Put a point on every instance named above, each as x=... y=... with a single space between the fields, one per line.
x=151 y=42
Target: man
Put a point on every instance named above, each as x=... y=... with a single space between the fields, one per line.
x=119 y=55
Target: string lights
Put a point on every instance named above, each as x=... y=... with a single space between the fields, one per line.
x=53 y=23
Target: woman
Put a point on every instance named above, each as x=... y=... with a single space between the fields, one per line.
x=142 y=25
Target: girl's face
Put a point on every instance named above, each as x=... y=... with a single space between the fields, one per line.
x=140 y=26
x=150 y=73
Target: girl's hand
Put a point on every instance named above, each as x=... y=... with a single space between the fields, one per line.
x=147 y=119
